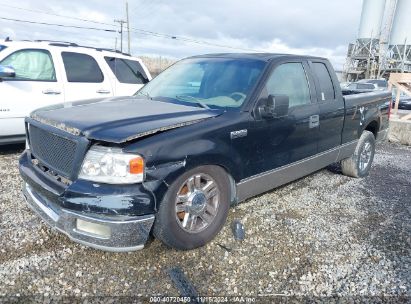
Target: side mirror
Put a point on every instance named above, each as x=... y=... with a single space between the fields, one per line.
x=275 y=106
x=7 y=72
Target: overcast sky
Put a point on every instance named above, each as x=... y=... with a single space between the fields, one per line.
x=316 y=27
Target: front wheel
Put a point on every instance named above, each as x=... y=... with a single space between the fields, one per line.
x=359 y=164
x=194 y=209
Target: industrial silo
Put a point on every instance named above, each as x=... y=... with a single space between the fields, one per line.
x=372 y=15
x=400 y=38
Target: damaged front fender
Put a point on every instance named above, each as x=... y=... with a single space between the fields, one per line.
x=159 y=178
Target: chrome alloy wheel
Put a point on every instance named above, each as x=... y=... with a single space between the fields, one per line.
x=197 y=203
x=365 y=156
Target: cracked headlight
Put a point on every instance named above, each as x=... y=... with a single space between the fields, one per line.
x=112 y=166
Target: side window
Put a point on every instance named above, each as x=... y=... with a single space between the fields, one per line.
x=127 y=71
x=31 y=65
x=365 y=86
x=2 y=47
x=324 y=79
x=290 y=79
x=81 y=68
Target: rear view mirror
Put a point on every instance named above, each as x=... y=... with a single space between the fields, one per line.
x=276 y=106
x=7 y=72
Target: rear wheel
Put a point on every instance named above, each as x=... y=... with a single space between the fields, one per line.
x=194 y=208
x=359 y=164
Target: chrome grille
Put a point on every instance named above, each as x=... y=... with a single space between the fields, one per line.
x=56 y=152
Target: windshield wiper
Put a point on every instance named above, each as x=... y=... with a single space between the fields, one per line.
x=203 y=105
x=196 y=100
x=145 y=94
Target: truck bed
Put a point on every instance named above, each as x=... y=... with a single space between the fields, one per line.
x=361 y=108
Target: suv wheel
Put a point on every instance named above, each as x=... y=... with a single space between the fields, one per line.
x=359 y=164
x=194 y=209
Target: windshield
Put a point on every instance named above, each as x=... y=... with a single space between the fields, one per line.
x=206 y=82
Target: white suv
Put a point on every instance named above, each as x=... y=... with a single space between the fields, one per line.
x=34 y=74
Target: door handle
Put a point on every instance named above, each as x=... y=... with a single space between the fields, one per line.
x=51 y=92
x=102 y=91
x=314 y=121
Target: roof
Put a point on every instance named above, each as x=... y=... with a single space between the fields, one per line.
x=65 y=44
x=255 y=56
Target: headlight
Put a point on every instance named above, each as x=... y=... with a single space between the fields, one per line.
x=112 y=166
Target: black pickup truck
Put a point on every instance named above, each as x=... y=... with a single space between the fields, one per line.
x=208 y=132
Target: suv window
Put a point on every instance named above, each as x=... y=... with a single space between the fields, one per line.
x=31 y=65
x=127 y=71
x=290 y=79
x=380 y=83
x=325 y=82
x=81 y=68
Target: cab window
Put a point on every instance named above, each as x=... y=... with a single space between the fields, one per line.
x=31 y=65
x=326 y=85
x=290 y=79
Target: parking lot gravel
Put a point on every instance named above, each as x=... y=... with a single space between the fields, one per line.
x=325 y=235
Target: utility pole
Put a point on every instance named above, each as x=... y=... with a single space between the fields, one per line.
x=128 y=28
x=121 y=32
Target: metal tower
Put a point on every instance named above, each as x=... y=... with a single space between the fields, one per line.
x=363 y=57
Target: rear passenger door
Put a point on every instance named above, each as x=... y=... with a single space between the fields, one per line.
x=84 y=78
x=331 y=105
x=129 y=75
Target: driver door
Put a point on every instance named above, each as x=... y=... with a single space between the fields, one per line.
x=277 y=142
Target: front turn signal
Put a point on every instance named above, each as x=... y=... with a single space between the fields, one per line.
x=136 y=165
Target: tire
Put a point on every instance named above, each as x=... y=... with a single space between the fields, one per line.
x=175 y=225
x=359 y=164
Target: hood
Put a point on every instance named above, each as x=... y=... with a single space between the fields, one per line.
x=120 y=119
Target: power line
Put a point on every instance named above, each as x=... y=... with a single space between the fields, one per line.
x=190 y=40
x=60 y=25
x=142 y=3
x=150 y=9
x=145 y=10
x=56 y=15
x=132 y=29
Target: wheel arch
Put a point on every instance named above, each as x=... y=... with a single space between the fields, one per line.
x=160 y=185
x=373 y=127
x=221 y=165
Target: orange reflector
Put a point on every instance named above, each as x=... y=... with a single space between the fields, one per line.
x=136 y=165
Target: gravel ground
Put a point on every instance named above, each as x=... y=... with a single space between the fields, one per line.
x=323 y=235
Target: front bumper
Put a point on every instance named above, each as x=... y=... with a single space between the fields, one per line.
x=107 y=217
x=125 y=233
